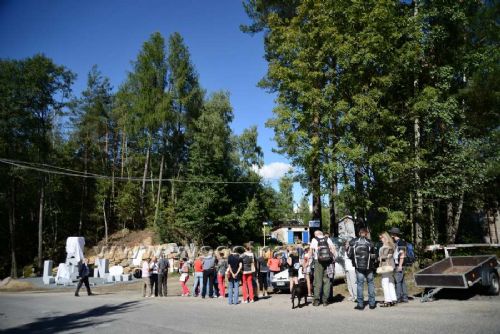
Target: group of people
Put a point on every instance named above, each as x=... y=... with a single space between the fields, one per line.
x=154 y=276
x=361 y=263
x=216 y=273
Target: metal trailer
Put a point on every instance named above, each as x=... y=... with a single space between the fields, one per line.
x=459 y=272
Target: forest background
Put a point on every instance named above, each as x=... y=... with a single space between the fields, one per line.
x=387 y=110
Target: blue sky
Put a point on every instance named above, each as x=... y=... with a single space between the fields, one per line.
x=78 y=34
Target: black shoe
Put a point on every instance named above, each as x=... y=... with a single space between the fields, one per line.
x=359 y=307
x=91 y=294
x=373 y=306
x=316 y=303
x=77 y=295
x=326 y=304
x=403 y=301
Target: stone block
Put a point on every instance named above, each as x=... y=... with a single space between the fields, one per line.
x=47 y=268
x=48 y=280
x=126 y=277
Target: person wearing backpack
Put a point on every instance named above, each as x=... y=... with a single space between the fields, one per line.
x=208 y=275
x=401 y=259
x=362 y=253
x=322 y=252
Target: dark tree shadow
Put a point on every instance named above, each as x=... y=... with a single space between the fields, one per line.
x=73 y=321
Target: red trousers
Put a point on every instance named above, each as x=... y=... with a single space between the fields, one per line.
x=185 y=289
x=222 y=284
x=247 y=287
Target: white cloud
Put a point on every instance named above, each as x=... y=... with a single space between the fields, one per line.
x=274 y=170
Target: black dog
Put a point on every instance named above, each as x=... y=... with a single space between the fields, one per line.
x=299 y=291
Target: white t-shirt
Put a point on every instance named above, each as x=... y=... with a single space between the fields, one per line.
x=314 y=246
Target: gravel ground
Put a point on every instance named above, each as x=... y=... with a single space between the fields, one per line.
x=120 y=309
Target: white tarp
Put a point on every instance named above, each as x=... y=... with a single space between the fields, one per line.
x=74 y=247
x=62 y=275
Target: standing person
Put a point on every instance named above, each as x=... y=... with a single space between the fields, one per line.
x=146 y=285
x=153 y=266
x=198 y=276
x=386 y=269
x=274 y=264
x=163 y=266
x=84 y=273
x=362 y=253
x=263 y=271
x=248 y=262
x=307 y=271
x=293 y=267
x=323 y=252
x=399 y=257
x=350 y=275
x=221 y=274
x=184 y=271
x=208 y=275
x=233 y=274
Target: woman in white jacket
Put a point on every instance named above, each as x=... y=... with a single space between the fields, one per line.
x=386 y=269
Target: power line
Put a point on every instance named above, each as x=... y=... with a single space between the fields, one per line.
x=49 y=169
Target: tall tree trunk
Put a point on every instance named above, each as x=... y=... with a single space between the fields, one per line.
x=334 y=226
x=12 y=230
x=433 y=225
x=315 y=172
x=84 y=191
x=360 y=207
x=143 y=187
x=40 y=226
x=159 y=190
x=122 y=151
x=454 y=218
x=418 y=193
x=105 y=221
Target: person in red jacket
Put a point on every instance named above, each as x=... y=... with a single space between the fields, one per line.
x=274 y=264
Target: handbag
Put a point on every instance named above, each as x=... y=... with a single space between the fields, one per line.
x=183 y=277
x=385 y=269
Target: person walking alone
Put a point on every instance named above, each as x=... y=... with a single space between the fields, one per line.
x=84 y=273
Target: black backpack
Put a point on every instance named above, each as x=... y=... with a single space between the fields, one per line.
x=324 y=254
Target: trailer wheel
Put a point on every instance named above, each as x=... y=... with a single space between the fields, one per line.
x=494 y=287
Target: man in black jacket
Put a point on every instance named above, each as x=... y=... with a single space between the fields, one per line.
x=362 y=253
x=84 y=272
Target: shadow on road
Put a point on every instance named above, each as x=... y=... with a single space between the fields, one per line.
x=73 y=321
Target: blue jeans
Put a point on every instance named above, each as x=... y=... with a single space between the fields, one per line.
x=401 y=289
x=233 y=291
x=360 y=281
x=198 y=282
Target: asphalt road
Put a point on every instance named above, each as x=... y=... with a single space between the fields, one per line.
x=125 y=312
